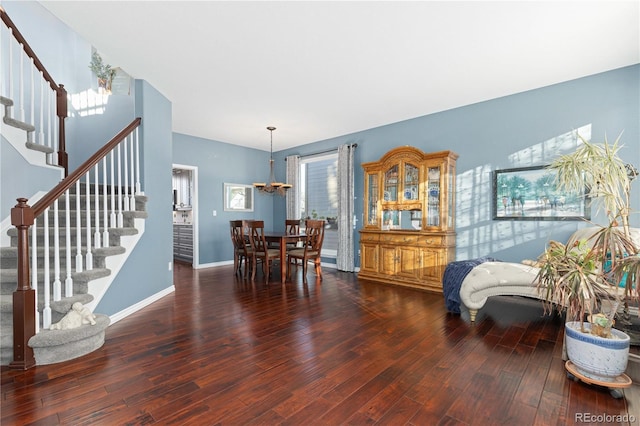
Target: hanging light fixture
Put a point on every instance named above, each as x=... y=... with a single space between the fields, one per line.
x=272 y=187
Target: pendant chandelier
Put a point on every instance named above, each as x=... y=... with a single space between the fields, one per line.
x=272 y=187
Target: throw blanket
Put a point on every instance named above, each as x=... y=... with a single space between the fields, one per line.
x=454 y=274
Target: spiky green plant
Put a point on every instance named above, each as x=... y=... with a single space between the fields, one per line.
x=579 y=276
x=598 y=169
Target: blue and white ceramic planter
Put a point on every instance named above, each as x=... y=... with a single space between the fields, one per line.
x=594 y=356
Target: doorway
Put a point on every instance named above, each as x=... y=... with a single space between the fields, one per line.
x=185 y=214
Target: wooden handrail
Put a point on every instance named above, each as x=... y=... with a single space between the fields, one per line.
x=67 y=182
x=61 y=92
x=18 y=36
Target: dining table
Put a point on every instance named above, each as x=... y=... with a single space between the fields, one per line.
x=282 y=238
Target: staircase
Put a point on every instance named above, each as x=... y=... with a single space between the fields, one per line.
x=85 y=226
x=89 y=271
x=51 y=346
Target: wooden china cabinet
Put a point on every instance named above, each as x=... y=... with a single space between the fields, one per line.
x=409 y=235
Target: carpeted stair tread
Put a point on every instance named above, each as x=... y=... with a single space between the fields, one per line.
x=52 y=346
x=19 y=124
x=39 y=147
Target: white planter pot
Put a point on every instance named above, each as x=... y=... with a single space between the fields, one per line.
x=596 y=357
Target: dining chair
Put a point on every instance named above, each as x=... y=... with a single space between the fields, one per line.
x=311 y=250
x=241 y=247
x=292 y=227
x=261 y=252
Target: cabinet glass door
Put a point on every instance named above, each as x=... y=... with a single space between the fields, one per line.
x=433 y=196
x=372 y=200
x=391 y=184
x=410 y=182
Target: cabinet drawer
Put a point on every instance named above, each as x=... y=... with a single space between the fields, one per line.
x=369 y=237
x=399 y=239
x=431 y=240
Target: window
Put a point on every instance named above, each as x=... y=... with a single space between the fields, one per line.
x=319 y=196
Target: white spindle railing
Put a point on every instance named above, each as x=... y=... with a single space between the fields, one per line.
x=34 y=101
x=79 y=259
x=89 y=256
x=34 y=271
x=68 y=282
x=46 y=292
x=105 y=204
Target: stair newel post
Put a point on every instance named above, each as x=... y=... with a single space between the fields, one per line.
x=61 y=111
x=24 y=300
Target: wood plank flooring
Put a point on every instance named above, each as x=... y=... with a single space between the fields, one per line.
x=225 y=351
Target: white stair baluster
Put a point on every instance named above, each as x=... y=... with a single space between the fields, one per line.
x=96 y=197
x=46 y=287
x=11 y=38
x=120 y=218
x=68 y=282
x=34 y=270
x=78 y=228
x=49 y=126
x=55 y=125
x=132 y=203
x=89 y=256
x=41 y=124
x=105 y=205
x=57 y=284
x=21 y=84
x=138 y=187
x=32 y=102
x=125 y=174
x=112 y=217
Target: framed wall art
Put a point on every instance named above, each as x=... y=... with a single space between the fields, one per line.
x=530 y=193
x=238 y=197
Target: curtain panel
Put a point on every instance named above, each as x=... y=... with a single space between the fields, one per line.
x=345 y=257
x=293 y=194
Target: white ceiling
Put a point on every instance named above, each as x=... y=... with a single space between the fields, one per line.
x=320 y=69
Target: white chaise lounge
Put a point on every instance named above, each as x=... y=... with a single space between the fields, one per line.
x=509 y=279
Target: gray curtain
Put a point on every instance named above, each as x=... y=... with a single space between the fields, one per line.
x=293 y=195
x=345 y=257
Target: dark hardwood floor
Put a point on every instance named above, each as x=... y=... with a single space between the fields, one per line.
x=221 y=350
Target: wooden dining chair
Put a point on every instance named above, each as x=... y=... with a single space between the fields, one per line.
x=311 y=250
x=261 y=252
x=242 y=251
x=292 y=227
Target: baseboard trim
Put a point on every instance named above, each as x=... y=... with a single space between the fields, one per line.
x=143 y=303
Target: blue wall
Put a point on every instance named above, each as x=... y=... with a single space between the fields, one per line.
x=146 y=272
x=217 y=163
x=512 y=131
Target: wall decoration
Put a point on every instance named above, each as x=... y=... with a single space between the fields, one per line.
x=529 y=193
x=238 y=197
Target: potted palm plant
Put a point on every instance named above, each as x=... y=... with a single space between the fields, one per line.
x=585 y=276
